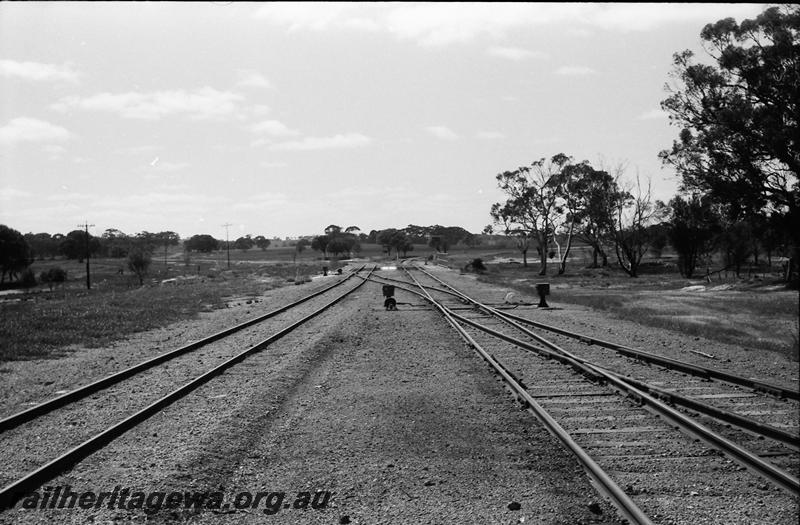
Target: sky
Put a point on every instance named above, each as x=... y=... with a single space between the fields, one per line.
x=279 y=119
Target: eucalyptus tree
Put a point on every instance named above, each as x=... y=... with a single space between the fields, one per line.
x=694 y=231
x=600 y=193
x=739 y=139
x=534 y=206
x=634 y=213
x=15 y=253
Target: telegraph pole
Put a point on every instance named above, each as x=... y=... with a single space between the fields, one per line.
x=86 y=226
x=228 y=243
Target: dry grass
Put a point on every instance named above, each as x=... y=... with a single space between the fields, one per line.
x=753 y=314
x=41 y=324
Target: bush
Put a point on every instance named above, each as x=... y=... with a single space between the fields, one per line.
x=27 y=279
x=56 y=275
x=139 y=260
x=476 y=266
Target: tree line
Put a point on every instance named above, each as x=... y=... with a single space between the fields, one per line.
x=337 y=241
x=737 y=153
x=18 y=251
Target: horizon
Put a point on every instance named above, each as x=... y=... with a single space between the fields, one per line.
x=282 y=118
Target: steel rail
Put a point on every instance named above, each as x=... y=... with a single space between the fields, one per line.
x=762 y=429
x=726 y=416
x=45 y=407
x=740 y=454
x=442 y=290
x=13 y=492
x=602 y=481
x=675 y=364
x=697 y=370
x=583 y=366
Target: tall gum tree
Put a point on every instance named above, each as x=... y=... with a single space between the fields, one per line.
x=534 y=205
x=739 y=140
x=595 y=219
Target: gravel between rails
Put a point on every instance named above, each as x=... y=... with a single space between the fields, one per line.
x=764 y=365
x=26 y=383
x=69 y=426
x=389 y=411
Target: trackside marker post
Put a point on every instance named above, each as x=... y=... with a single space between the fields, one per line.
x=543 y=289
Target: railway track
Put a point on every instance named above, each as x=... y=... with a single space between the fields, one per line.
x=736 y=452
x=73 y=426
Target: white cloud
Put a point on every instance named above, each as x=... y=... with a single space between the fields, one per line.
x=490 y=135
x=427 y=24
x=38 y=71
x=442 y=23
x=55 y=150
x=260 y=142
x=203 y=103
x=395 y=201
x=514 y=53
x=260 y=110
x=71 y=196
x=263 y=201
x=162 y=202
x=362 y=24
x=439 y=24
x=170 y=166
x=442 y=132
x=274 y=128
x=273 y=164
x=8 y=194
x=25 y=129
x=252 y=79
x=318 y=16
x=341 y=141
x=575 y=71
x=653 y=114
x=645 y=17
x=137 y=150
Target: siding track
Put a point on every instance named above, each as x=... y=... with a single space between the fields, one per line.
x=734 y=459
x=139 y=392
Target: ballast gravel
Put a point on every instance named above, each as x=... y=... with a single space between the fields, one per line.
x=372 y=416
x=388 y=412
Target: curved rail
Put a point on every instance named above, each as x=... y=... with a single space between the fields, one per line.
x=601 y=479
x=727 y=416
x=675 y=364
x=45 y=407
x=16 y=490
x=777 y=434
x=696 y=370
x=743 y=456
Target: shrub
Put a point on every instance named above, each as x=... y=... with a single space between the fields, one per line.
x=476 y=266
x=27 y=278
x=138 y=262
x=55 y=275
